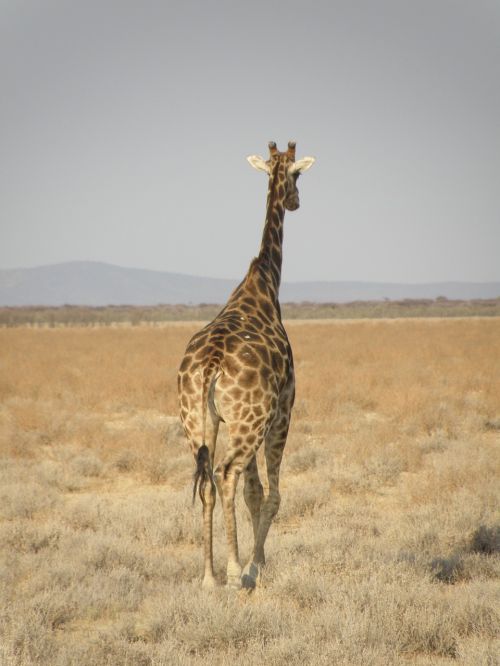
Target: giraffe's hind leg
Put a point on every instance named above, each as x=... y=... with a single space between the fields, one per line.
x=208 y=500
x=204 y=462
x=226 y=478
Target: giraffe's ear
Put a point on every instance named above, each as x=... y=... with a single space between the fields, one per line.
x=258 y=162
x=301 y=165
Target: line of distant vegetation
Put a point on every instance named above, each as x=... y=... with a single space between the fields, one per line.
x=75 y=315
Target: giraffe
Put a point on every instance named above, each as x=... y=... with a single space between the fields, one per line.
x=239 y=370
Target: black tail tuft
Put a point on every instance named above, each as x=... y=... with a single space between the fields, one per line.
x=203 y=473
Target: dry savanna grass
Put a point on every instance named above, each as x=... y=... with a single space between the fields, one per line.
x=386 y=548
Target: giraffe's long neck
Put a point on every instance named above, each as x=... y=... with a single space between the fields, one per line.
x=271 y=248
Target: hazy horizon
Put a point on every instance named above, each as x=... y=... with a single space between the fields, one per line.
x=234 y=278
x=125 y=127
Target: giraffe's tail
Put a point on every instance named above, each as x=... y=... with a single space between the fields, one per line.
x=203 y=473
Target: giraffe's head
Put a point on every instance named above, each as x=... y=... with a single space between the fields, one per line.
x=283 y=171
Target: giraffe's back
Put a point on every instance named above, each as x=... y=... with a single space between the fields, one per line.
x=247 y=351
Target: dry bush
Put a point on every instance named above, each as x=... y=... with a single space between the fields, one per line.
x=386 y=547
x=122 y=315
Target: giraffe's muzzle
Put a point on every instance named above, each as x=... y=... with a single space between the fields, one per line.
x=292 y=203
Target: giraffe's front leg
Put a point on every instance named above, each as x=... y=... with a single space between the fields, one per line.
x=254 y=495
x=274 y=446
x=270 y=505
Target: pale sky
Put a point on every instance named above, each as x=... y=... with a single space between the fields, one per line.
x=124 y=128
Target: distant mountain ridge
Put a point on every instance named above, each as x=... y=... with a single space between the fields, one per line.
x=99 y=284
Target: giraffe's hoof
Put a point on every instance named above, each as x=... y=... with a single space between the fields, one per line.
x=233 y=583
x=251 y=576
x=248 y=583
x=233 y=576
x=208 y=583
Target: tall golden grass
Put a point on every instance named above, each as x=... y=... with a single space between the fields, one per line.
x=385 y=551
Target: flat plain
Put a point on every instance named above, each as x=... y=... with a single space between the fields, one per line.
x=386 y=549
